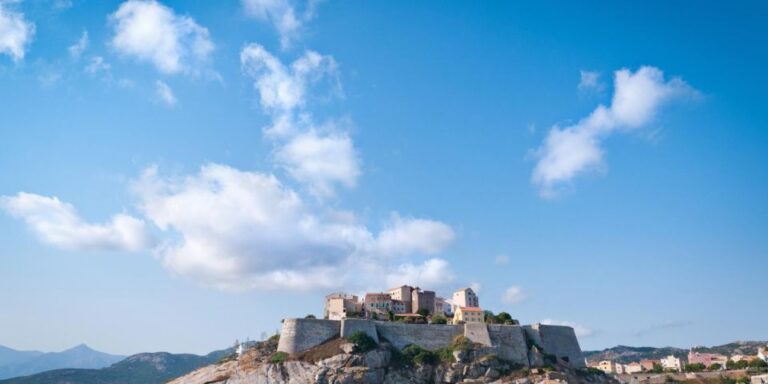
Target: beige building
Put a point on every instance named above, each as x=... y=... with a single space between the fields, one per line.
x=441 y=306
x=762 y=354
x=402 y=293
x=468 y=315
x=465 y=297
x=634 y=367
x=672 y=362
x=339 y=305
x=607 y=366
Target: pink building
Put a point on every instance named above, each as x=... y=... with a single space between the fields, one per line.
x=706 y=358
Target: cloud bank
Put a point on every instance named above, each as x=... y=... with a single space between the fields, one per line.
x=570 y=151
x=239 y=230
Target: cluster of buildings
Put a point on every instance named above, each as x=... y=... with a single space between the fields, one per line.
x=676 y=364
x=405 y=302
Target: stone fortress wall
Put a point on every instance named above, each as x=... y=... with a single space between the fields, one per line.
x=523 y=345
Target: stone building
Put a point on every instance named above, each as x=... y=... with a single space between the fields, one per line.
x=422 y=300
x=633 y=367
x=403 y=293
x=377 y=305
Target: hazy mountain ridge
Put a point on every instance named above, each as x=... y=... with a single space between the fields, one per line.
x=11 y=356
x=626 y=354
x=142 y=368
x=21 y=363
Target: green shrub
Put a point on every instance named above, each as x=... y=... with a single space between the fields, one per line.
x=461 y=343
x=278 y=357
x=362 y=342
x=415 y=355
x=439 y=319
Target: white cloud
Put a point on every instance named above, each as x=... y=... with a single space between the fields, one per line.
x=514 y=295
x=590 y=80
x=570 y=151
x=15 y=32
x=77 y=49
x=501 y=259
x=165 y=93
x=580 y=330
x=57 y=223
x=282 y=15
x=431 y=273
x=241 y=229
x=152 y=32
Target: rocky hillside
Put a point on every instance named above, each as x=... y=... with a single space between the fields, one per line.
x=341 y=361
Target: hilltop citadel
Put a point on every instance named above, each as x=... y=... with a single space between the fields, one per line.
x=408 y=315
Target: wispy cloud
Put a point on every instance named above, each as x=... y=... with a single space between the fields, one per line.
x=165 y=93
x=16 y=32
x=663 y=326
x=513 y=295
x=76 y=50
x=590 y=81
x=283 y=15
x=576 y=149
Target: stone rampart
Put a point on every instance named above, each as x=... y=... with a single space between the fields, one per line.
x=511 y=342
x=301 y=334
x=557 y=340
x=432 y=336
x=350 y=326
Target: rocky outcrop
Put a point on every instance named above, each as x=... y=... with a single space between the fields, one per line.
x=339 y=362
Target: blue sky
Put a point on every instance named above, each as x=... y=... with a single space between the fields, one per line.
x=176 y=175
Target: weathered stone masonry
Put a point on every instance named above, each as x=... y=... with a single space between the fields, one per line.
x=510 y=342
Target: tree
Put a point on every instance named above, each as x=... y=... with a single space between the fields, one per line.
x=757 y=363
x=439 y=319
x=715 y=367
x=696 y=367
x=423 y=312
x=657 y=368
x=503 y=317
x=310 y=316
x=391 y=316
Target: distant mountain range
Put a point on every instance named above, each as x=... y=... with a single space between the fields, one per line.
x=625 y=354
x=15 y=363
x=142 y=368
